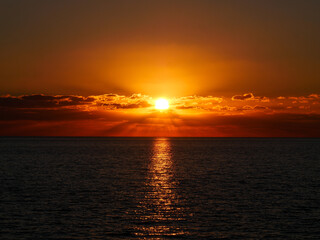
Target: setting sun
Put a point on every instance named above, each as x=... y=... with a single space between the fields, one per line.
x=161 y=104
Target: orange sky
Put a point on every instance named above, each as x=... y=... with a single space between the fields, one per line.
x=230 y=68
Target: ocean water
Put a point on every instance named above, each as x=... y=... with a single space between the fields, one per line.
x=159 y=188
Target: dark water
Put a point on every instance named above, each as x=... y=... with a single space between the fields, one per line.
x=159 y=188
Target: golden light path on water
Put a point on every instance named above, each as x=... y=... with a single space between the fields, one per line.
x=161 y=207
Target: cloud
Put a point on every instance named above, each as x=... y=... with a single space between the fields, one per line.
x=110 y=101
x=141 y=104
x=119 y=115
x=66 y=107
x=197 y=102
x=316 y=96
x=260 y=107
x=43 y=101
x=245 y=96
x=115 y=101
x=250 y=96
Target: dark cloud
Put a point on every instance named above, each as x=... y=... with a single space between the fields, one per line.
x=110 y=101
x=142 y=104
x=40 y=107
x=250 y=96
x=43 y=101
x=99 y=115
x=260 y=107
x=243 y=97
x=185 y=107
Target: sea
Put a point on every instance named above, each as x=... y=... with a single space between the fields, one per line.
x=159 y=188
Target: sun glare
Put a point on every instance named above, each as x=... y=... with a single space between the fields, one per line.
x=161 y=104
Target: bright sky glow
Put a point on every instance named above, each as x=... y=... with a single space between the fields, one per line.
x=161 y=104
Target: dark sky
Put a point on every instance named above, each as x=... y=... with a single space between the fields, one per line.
x=171 y=48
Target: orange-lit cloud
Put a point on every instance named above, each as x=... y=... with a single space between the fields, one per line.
x=135 y=115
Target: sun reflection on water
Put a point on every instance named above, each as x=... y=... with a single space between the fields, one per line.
x=160 y=209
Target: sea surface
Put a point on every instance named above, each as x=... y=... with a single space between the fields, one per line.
x=159 y=188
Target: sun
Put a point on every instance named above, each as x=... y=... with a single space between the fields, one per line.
x=161 y=104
